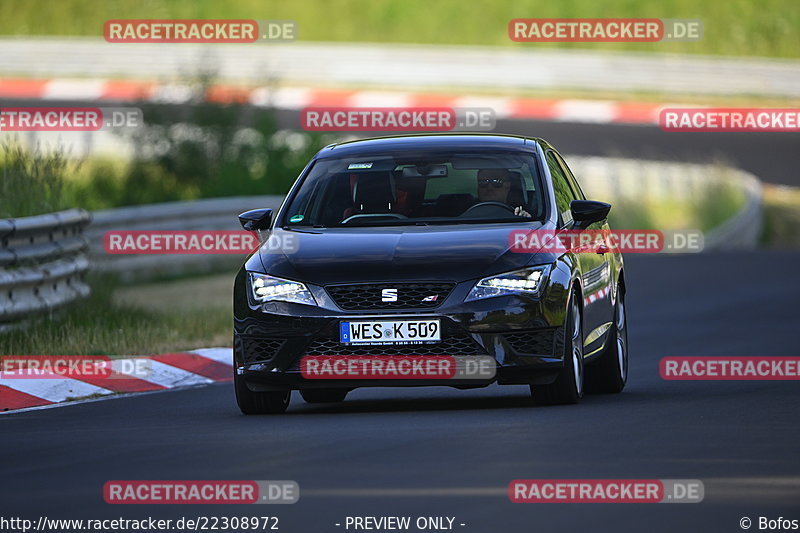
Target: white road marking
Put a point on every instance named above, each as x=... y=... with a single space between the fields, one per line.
x=54 y=389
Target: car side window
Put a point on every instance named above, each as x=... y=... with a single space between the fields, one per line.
x=563 y=192
x=576 y=188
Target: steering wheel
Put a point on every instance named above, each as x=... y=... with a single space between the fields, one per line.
x=372 y=215
x=483 y=205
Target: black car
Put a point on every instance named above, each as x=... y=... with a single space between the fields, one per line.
x=415 y=230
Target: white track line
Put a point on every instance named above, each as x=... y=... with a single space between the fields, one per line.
x=170 y=376
x=221 y=355
x=55 y=389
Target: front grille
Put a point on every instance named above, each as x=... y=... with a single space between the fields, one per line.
x=456 y=344
x=260 y=349
x=369 y=296
x=538 y=342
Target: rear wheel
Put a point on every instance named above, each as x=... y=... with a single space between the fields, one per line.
x=568 y=386
x=260 y=403
x=610 y=373
x=323 y=395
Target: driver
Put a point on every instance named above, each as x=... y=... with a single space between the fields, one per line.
x=494 y=185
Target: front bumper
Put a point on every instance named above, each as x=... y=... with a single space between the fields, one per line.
x=523 y=334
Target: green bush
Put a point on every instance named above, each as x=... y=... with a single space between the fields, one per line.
x=204 y=151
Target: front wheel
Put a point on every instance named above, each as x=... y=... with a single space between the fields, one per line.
x=610 y=373
x=568 y=386
x=260 y=403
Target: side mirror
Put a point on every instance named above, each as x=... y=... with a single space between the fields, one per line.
x=256 y=219
x=587 y=212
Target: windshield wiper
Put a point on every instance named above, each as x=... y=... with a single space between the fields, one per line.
x=451 y=221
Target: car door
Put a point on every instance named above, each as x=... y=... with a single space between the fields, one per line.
x=596 y=275
x=593 y=267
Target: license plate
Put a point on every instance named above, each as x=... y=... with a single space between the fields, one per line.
x=390 y=332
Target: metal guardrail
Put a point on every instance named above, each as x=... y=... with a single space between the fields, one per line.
x=625 y=179
x=42 y=263
x=743 y=229
x=210 y=214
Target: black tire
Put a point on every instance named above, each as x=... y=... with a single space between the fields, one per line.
x=568 y=386
x=260 y=403
x=323 y=395
x=609 y=374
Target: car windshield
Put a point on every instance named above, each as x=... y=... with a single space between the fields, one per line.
x=419 y=188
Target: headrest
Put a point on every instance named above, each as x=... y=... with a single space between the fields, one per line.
x=374 y=192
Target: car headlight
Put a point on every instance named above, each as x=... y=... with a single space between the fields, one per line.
x=526 y=281
x=266 y=288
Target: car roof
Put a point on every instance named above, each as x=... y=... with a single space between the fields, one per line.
x=430 y=141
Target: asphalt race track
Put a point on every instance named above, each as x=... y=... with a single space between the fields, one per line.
x=443 y=452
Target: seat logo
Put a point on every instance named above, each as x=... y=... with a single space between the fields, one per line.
x=389 y=295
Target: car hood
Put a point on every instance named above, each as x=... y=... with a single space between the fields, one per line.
x=343 y=255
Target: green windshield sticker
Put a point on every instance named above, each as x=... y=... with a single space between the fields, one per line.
x=355 y=166
x=297 y=218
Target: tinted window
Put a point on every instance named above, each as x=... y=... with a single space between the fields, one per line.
x=576 y=188
x=412 y=188
x=561 y=188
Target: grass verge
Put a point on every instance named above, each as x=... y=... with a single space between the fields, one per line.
x=731 y=27
x=32 y=183
x=674 y=215
x=781 y=217
x=105 y=325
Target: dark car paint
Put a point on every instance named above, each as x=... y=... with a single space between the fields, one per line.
x=448 y=252
x=462 y=254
